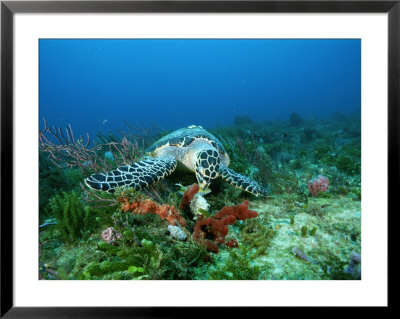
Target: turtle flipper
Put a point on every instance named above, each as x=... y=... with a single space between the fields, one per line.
x=243 y=182
x=136 y=175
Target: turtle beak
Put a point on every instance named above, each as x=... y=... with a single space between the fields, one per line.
x=202 y=180
x=204 y=185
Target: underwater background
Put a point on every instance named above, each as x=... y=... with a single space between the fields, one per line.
x=288 y=113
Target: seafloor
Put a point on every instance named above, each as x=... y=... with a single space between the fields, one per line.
x=298 y=233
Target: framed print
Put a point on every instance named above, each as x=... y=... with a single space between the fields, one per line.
x=164 y=154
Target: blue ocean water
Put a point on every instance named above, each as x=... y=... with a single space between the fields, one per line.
x=96 y=85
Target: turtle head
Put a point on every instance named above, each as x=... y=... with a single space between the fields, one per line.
x=207 y=167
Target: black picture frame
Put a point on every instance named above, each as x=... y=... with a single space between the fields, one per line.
x=9 y=8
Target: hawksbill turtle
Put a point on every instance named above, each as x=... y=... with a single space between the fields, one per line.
x=190 y=149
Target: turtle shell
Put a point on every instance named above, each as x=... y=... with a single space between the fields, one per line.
x=185 y=136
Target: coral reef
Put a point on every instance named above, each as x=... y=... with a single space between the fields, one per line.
x=304 y=230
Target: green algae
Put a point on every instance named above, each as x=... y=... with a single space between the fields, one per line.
x=313 y=231
x=73 y=218
x=236 y=265
x=257 y=237
x=304 y=231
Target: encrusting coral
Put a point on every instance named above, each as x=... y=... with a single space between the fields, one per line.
x=168 y=212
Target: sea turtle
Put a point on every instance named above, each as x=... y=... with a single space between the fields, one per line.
x=190 y=149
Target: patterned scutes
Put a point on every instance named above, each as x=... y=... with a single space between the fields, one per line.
x=184 y=137
x=243 y=182
x=209 y=161
x=137 y=175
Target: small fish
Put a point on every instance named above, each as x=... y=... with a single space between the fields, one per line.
x=105 y=121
